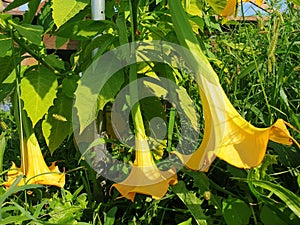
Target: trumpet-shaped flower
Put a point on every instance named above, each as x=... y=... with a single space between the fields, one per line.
x=145 y=177
x=229 y=136
x=231 y=6
x=34 y=168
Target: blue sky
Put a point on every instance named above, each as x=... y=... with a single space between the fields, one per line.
x=250 y=9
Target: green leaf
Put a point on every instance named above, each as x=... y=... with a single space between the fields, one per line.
x=185 y=104
x=69 y=86
x=60 y=41
x=32 y=33
x=187 y=222
x=191 y=201
x=45 y=18
x=6 y=65
x=15 y=4
x=269 y=217
x=289 y=157
x=83 y=30
x=289 y=198
x=109 y=218
x=110 y=89
x=248 y=70
x=194 y=7
x=58 y=122
x=14 y=188
x=64 y=211
x=201 y=181
x=2 y=149
x=217 y=5
x=284 y=97
x=33 y=6
x=5 y=45
x=13 y=220
x=101 y=43
x=235 y=211
x=55 y=61
x=39 y=208
x=297 y=2
x=38 y=90
x=188 y=39
x=65 y=10
x=25 y=212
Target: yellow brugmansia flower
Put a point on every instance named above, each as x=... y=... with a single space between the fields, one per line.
x=34 y=168
x=229 y=136
x=145 y=177
x=230 y=6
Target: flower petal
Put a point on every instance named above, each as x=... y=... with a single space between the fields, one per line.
x=34 y=168
x=229 y=136
x=229 y=8
x=136 y=182
x=145 y=177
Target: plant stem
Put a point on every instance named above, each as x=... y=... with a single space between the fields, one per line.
x=10 y=31
x=33 y=53
x=138 y=123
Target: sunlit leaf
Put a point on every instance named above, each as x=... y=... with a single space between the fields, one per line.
x=192 y=202
x=291 y=199
x=66 y=211
x=38 y=90
x=217 y=5
x=109 y=217
x=32 y=33
x=194 y=8
x=297 y=2
x=13 y=219
x=83 y=30
x=187 y=222
x=65 y=10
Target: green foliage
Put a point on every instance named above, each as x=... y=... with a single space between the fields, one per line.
x=68 y=209
x=7 y=65
x=38 y=90
x=235 y=211
x=5 y=45
x=291 y=200
x=297 y=2
x=57 y=125
x=31 y=33
x=261 y=90
x=191 y=201
x=64 y=11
